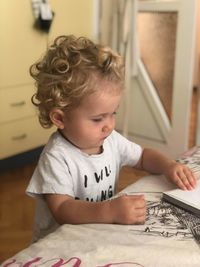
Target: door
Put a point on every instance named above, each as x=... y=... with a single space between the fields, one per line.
x=157 y=39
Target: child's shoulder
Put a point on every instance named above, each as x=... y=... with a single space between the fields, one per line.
x=56 y=143
x=115 y=136
x=54 y=140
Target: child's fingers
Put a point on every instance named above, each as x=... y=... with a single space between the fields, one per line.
x=185 y=180
x=138 y=201
x=183 y=176
x=178 y=180
x=140 y=209
x=139 y=214
x=131 y=209
x=180 y=184
x=140 y=219
x=190 y=177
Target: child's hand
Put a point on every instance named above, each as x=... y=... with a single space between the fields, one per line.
x=181 y=175
x=128 y=209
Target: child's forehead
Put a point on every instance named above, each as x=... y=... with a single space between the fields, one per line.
x=102 y=86
x=102 y=100
x=105 y=91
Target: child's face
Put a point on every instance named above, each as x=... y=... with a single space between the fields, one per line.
x=88 y=125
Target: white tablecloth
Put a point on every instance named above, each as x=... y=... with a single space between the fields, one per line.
x=169 y=238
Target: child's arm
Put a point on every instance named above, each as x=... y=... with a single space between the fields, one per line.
x=155 y=162
x=122 y=210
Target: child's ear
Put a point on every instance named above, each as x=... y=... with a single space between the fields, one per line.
x=57 y=117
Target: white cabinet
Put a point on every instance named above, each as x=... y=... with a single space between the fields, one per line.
x=21 y=45
x=19 y=127
x=15 y=103
x=20 y=136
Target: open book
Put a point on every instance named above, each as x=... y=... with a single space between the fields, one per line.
x=188 y=200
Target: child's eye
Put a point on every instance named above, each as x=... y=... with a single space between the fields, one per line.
x=97 y=119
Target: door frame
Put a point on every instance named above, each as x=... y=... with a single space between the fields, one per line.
x=175 y=132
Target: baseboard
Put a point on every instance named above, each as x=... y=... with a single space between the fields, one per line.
x=21 y=159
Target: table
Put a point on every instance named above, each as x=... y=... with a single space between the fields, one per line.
x=169 y=238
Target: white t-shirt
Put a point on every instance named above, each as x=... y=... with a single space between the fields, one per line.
x=65 y=169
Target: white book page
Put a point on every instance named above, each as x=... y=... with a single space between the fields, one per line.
x=191 y=198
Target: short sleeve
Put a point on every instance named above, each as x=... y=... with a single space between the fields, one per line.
x=51 y=175
x=129 y=152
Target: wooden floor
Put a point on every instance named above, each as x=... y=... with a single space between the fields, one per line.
x=17 y=209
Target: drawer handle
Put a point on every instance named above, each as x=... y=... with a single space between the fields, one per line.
x=19 y=137
x=18 y=104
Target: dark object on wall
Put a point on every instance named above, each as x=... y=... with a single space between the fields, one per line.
x=44 y=24
x=43 y=16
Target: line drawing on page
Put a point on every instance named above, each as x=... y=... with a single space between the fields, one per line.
x=165 y=220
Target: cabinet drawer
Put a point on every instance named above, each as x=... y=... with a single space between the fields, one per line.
x=15 y=103
x=21 y=136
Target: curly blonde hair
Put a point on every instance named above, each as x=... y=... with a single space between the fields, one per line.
x=69 y=71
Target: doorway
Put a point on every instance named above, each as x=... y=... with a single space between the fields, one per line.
x=159 y=37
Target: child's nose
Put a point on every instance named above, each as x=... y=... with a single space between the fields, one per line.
x=106 y=129
x=108 y=126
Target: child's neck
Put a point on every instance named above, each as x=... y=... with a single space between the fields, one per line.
x=89 y=151
x=93 y=151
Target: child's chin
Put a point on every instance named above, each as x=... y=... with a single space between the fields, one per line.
x=101 y=142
